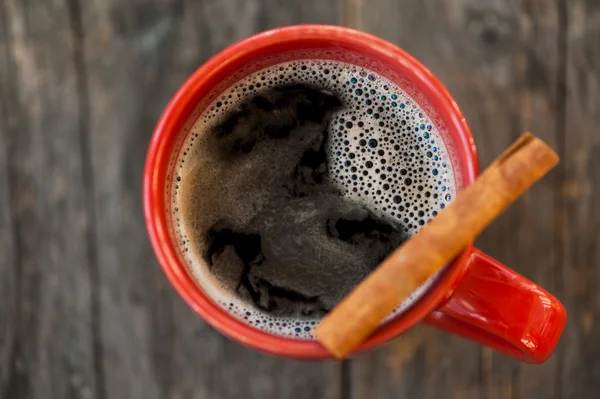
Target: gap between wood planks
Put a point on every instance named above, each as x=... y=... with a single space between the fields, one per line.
x=83 y=99
x=559 y=175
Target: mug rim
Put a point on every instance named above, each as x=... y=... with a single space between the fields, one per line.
x=179 y=108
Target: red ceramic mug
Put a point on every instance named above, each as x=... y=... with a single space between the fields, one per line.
x=475 y=296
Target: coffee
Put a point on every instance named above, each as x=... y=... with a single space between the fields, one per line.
x=297 y=182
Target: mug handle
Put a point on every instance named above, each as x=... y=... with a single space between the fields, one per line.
x=497 y=307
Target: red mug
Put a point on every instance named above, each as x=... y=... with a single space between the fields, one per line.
x=475 y=296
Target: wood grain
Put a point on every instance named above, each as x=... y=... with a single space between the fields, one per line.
x=581 y=190
x=500 y=61
x=135 y=55
x=49 y=330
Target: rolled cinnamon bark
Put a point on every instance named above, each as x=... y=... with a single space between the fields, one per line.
x=440 y=241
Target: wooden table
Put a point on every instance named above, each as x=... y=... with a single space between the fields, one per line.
x=85 y=311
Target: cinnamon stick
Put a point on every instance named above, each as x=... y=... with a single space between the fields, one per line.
x=440 y=241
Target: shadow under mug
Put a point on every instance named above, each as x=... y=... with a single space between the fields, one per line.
x=475 y=296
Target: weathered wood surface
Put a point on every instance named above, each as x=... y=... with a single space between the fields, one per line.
x=46 y=339
x=85 y=311
x=581 y=275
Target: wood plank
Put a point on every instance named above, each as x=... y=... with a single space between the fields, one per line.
x=274 y=13
x=500 y=62
x=50 y=352
x=136 y=55
x=581 y=374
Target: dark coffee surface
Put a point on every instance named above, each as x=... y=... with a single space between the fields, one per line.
x=264 y=215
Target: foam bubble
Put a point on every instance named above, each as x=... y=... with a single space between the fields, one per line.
x=383 y=152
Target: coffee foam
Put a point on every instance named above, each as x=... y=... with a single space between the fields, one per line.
x=383 y=152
